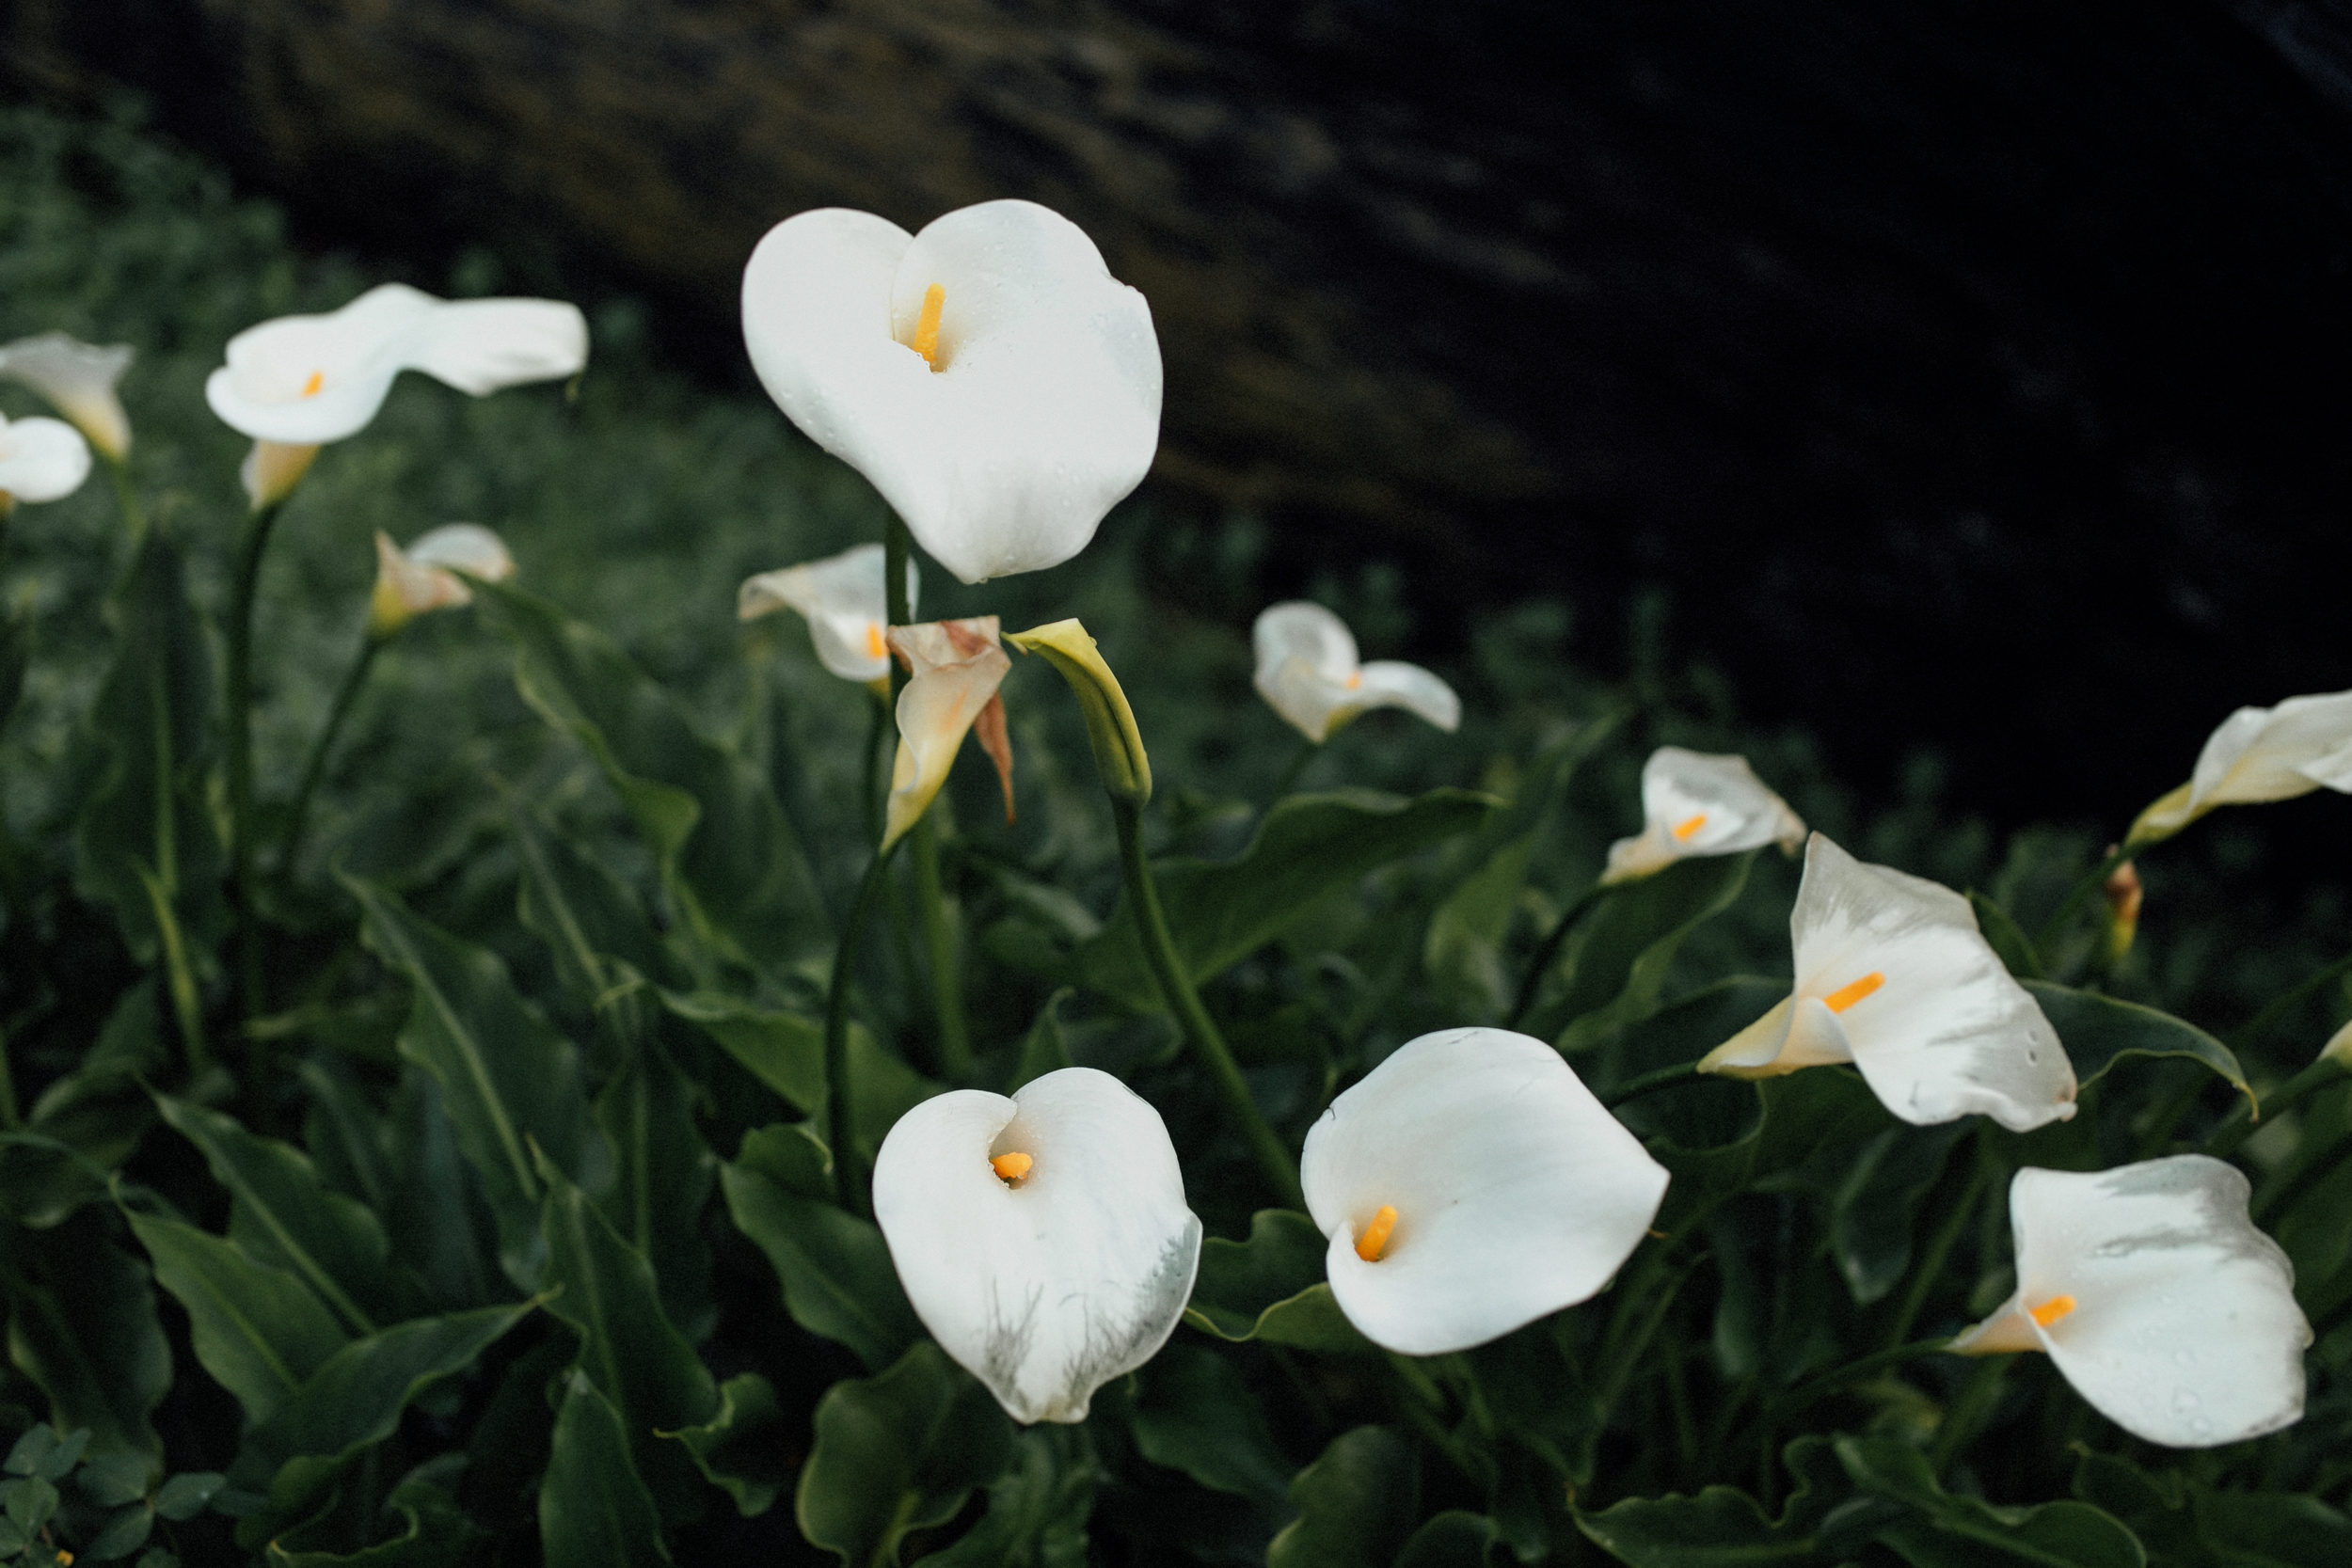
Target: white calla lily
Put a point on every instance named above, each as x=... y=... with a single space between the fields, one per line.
x=1894 y=977
x=2153 y=1293
x=1042 y=1239
x=431 y=573
x=1700 y=803
x=41 y=460
x=1308 y=672
x=78 y=380
x=844 y=601
x=956 y=667
x=1471 y=1183
x=2259 y=754
x=987 y=375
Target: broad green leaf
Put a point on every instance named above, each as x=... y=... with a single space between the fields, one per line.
x=440 y=1220
x=593 y=1511
x=898 y=1452
x=792 y=1155
x=1356 y=1504
x=82 y=1326
x=835 y=1269
x=783 y=1050
x=2098 y=1031
x=1720 y=1527
x=1220 y=912
x=42 y=1179
x=2270 y=1529
x=727 y=856
x=183 y=1495
x=1613 y=966
x=1044 y=1050
x=125 y=1531
x=112 y=1480
x=1708 y=1112
x=344 y=1134
x=282 y=1216
x=508 y=1080
x=260 y=1331
x=1454 y=1539
x=734 y=1448
x=87 y=1122
x=506 y=1453
x=586 y=915
x=1874 y=1211
x=435 y=1533
x=663 y=1173
x=1945 y=1530
x=1037 y=1509
x=1196 y=1414
x=2007 y=939
x=1239 y=1281
x=1821 y=1112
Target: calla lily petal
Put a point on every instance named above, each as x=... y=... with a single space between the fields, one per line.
x=1894 y=977
x=78 y=379
x=430 y=574
x=41 y=459
x=844 y=601
x=1036 y=409
x=1051 y=1279
x=1308 y=672
x=2157 y=1299
x=1489 y=1184
x=1700 y=803
x=2260 y=754
x=957 y=665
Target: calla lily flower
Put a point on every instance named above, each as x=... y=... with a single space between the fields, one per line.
x=1470 y=1183
x=1700 y=803
x=1894 y=977
x=1308 y=672
x=2151 y=1289
x=956 y=666
x=431 y=573
x=987 y=375
x=844 y=600
x=2260 y=754
x=41 y=460
x=301 y=381
x=78 y=380
x=1042 y=1239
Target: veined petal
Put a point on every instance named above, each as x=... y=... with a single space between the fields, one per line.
x=78 y=379
x=2259 y=754
x=482 y=345
x=1801 y=1032
x=1047 y=1286
x=1515 y=1193
x=41 y=459
x=956 y=666
x=1700 y=803
x=271 y=469
x=842 y=598
x=2156 y=1298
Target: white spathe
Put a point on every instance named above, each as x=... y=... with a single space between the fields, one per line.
x=956 y=667
x=2258 y=755
x=78 y=380
x=1038 y=410
x=303 y=380
x=1894 y=977
x=1047 y=1286
x=1308 y=672
x=1516 y=1192
x=2150 y=1287
x=1700 y=803
x=843 y=597
x=431 y=573
x=41 y=459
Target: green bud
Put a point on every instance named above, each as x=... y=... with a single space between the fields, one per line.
x=1118 y=753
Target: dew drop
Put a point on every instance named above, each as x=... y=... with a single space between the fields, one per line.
x=2184 y=1400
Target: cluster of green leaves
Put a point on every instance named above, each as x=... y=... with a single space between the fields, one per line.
x=507 y=1230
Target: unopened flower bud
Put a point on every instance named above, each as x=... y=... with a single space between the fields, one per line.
x=2122 y=890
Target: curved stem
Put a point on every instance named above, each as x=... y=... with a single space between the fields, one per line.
x=1650 y=1082
x=254 y=540
x=1289 y=781
x=1549 y=953
x=1159 y=948
x=2055 y=926
x=939 y=950
x=847 y=1181
x=289 y=847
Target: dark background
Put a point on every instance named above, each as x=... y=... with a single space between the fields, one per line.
x=1968 y=375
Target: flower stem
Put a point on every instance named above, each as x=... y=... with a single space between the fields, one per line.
x=1830 y=1382
x=127 y=502
x=1650 y=1082
x=939 y=949
x=290 y=845
x=1549 y=952
x=847 y=1181
x=2096 y=878
x=2240 y=1125
x=1159 y=948
x=250 y=545
x=1931 y=1264
x=877 y=736
x=1289 y=781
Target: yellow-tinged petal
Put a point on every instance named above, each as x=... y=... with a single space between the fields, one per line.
x=430 y=574
x=957 y=667
x=271 y=469
x=1118 y=752
x=1700 y=803
x=78 y=379
x=2339 y=1048
x=843 y=599
x=1308 y=672
x=2259 y=754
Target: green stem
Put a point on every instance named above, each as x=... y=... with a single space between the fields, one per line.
x=9 y=1119
x=1804 y=1394
x=2254 y=1028
x=2055 y=926
x=1549 y=952
x=1159 y=948
x=1289 y=781
x=878 y=734
x=254 y=540
x=127 y=502
x=939 y=948
x=312 y=770
x=1650 y=1082
x=848 y=1182
x=894 y=547
x=1929 y=1267
x=2242 y=1123
x=1969 y=1410
x=2310 y=1173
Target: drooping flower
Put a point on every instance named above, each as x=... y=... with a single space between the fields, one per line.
x=2258 y=755
x=844 y=600
x=1042 y=1239
x=1308 y=672
x=431 y=573
x=1700 y=803
x=78 y=380
x=957 y=667
x=987 y=375
x=1894 y=977
x=2153 y=1293
x=1469 y=1184
x=41 y=460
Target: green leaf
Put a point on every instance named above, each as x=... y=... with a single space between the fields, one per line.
x=439 y=1219
x=2007 y=939
x=261 y=1332
x=1196 y=1414
x=87 y=1122
x=124 y=1532
x=1044 y=1050
x=1356 y=1504
x=836 y=1268
x=2098 y=1031
x=507 y=1078
x=183 y=1497
x=32 y=1502
x=150 y=804
x=1614 y=967
x=82 y=1325
x=2270 y=1529
x=586 y=915
x=898 y=1452
x=1037 y=1509
x=284 y=1217
x=733 y=1448
x=1722 y=1526
x=437 y=1533
x=1454 y=1539
x=1239 y=1281
x=1874 y=1211
x=1220 y=912
x=594 y=1513
x=786 y=1053
x=664 y=1174
x=1822 y=1112
x=59 y=1457
x=727 y=856
x=1943 y=1530
x=26 y=1453
x=112 y=1480
x=792 y=1155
